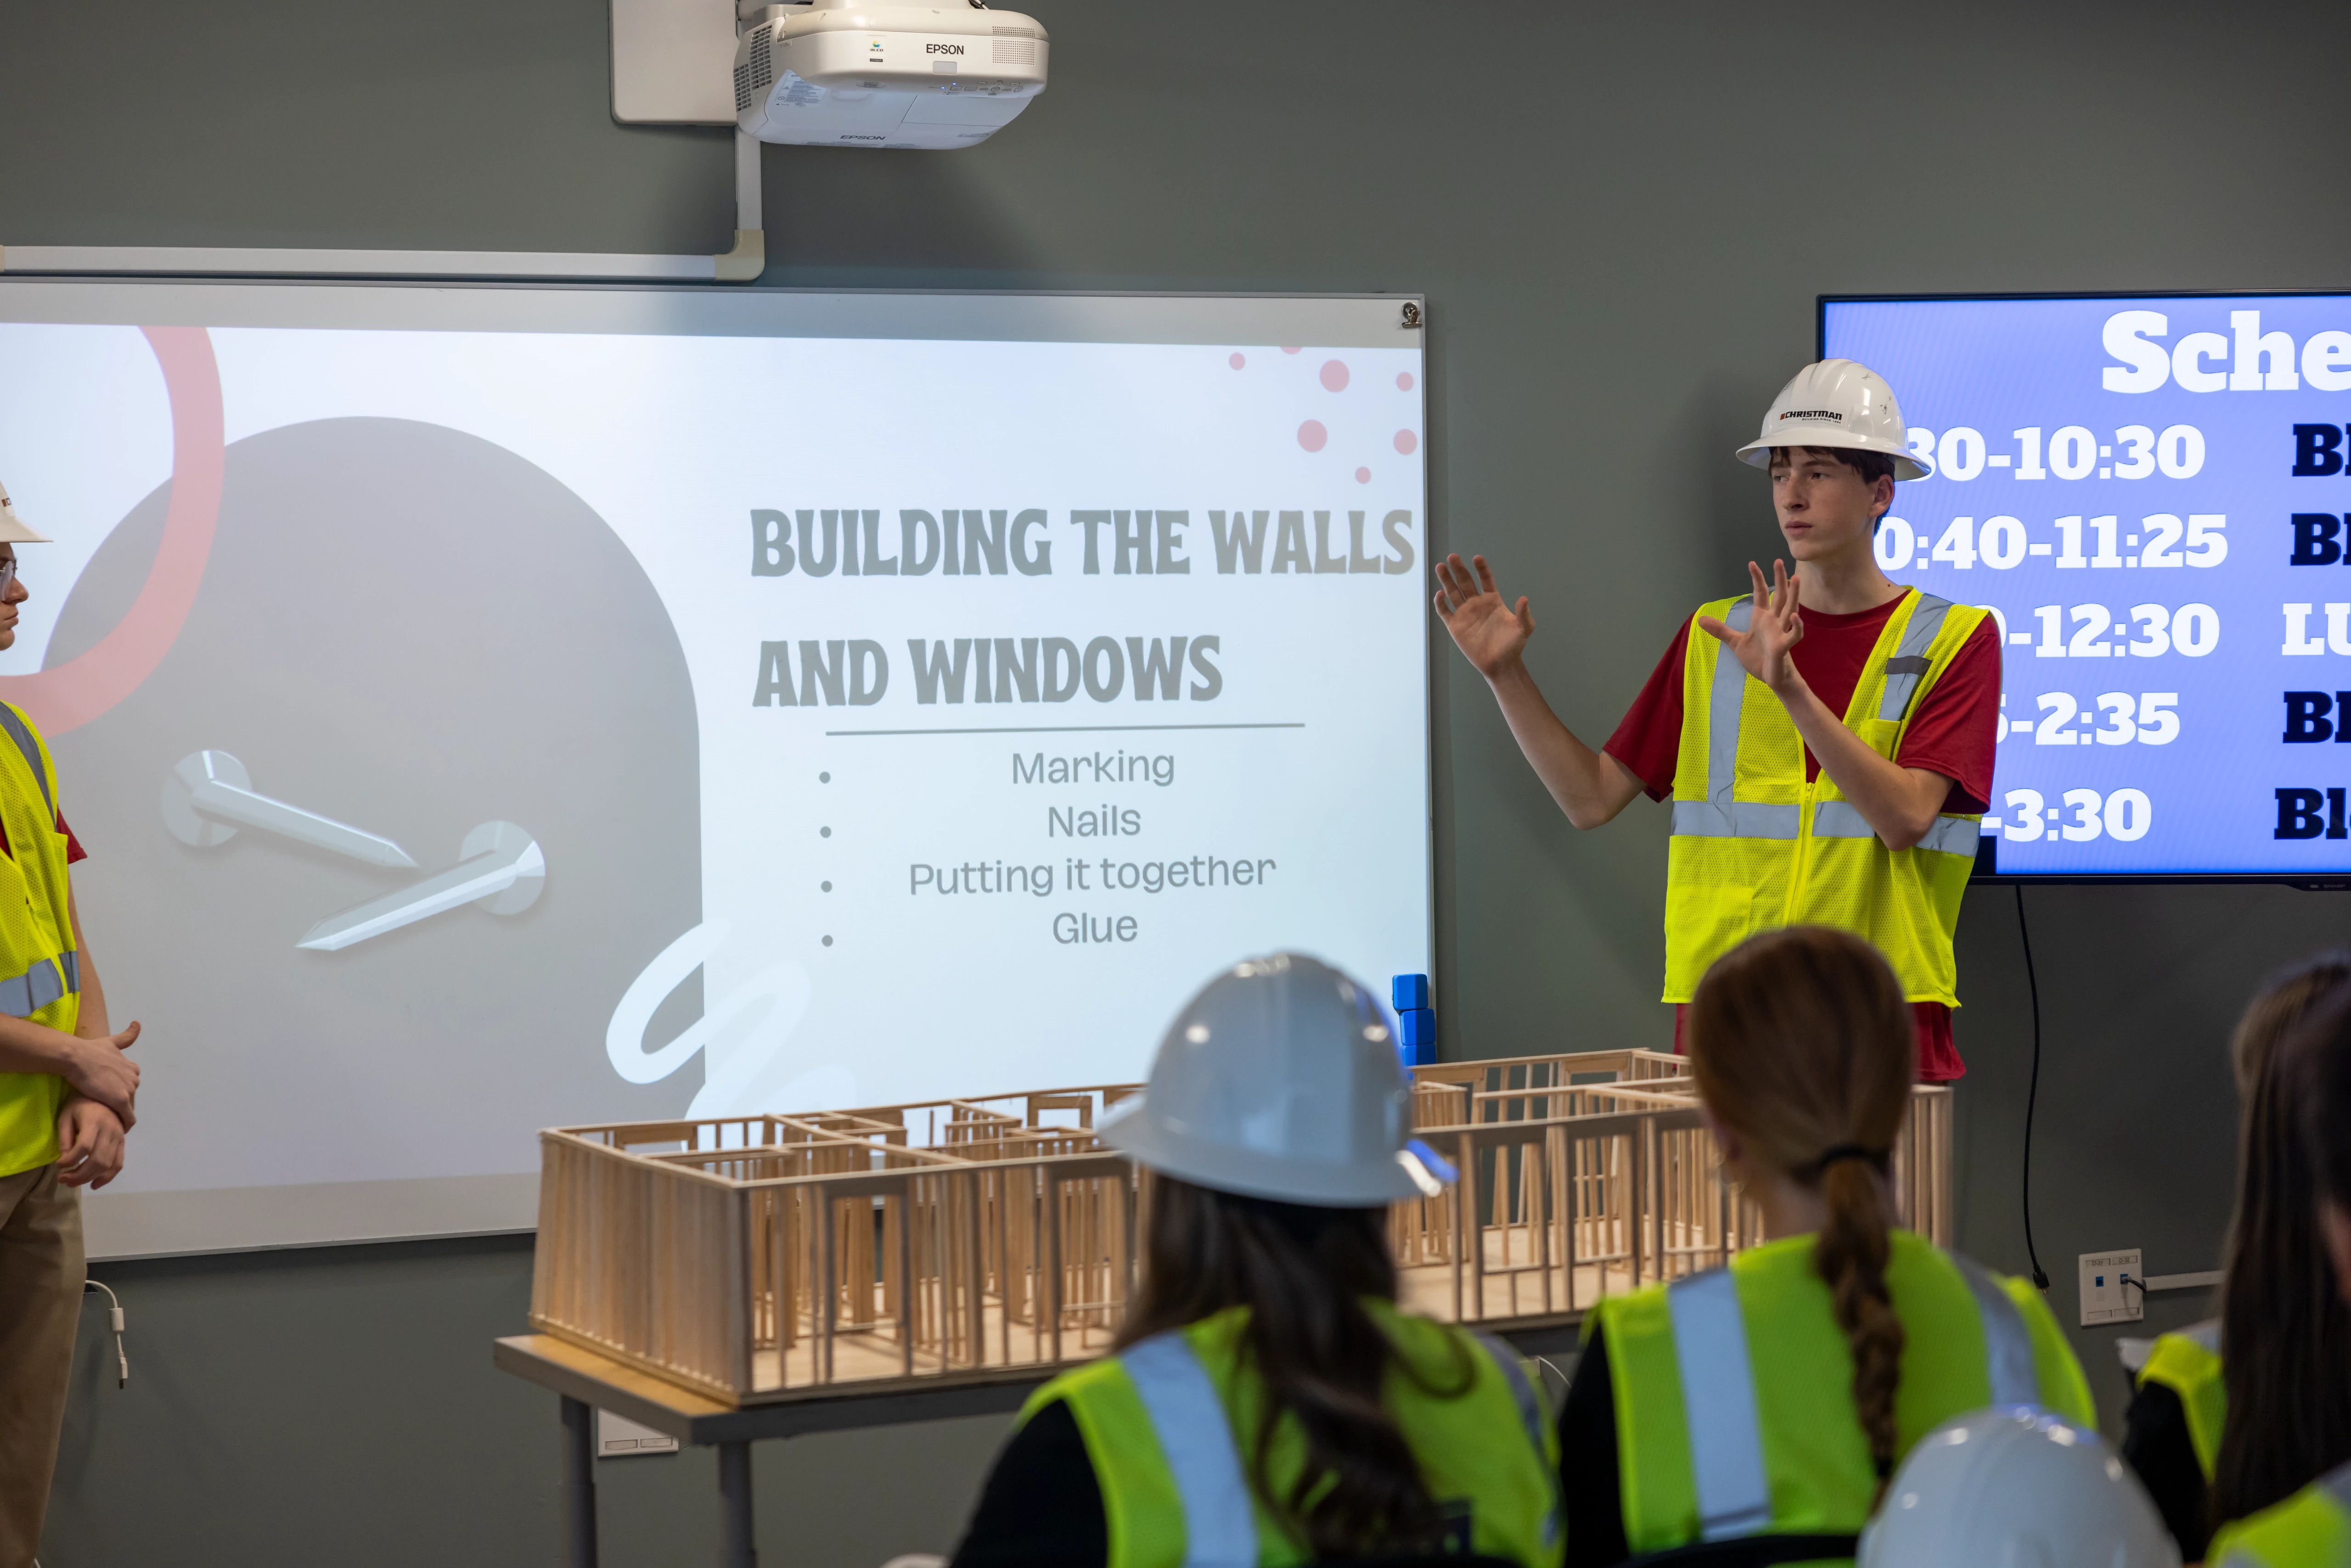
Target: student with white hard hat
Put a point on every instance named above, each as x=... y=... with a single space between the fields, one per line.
x=2216 y=1439
x=2311 y=1528
x=2015 y=1489
x=1265 y=1401
x=1827 y=740
x=65 y=1099
x=1756 y=1410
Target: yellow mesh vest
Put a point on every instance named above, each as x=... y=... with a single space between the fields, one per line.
x=1754 y=846
x=1471 y=1437
x=1972 y=1339
x=2311 y=1529
x=2189 y=1363
x=40 y=974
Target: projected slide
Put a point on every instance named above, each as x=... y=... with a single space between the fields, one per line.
x=492 y=709
x=2149 y=493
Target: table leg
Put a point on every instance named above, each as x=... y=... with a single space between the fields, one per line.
x=736 y=1549
x=579 y=1484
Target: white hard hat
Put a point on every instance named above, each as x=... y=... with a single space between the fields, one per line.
x=1280 y=1079
x=12 y=530
x=2019 y=1488
x=1837 y=402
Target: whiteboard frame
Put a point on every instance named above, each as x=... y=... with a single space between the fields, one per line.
x=132 y=1225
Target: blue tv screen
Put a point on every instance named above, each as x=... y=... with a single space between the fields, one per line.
x=2150 y=493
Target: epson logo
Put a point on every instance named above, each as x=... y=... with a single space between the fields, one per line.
x=1830 y=415
x=942 y=48
x=847 y=136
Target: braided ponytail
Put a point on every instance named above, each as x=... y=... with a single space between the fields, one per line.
x=1801 y=1044
x=1851 y=1255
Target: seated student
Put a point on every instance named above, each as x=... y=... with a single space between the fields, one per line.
x=2174 y=1435
x=2311 y=1528
x=1775 y=1397
x=1265 y=1401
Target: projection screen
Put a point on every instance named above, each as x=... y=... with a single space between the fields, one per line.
x=489 y=708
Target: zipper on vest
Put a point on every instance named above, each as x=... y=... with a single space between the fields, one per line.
x=1801 y=866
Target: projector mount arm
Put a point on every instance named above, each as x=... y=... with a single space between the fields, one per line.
x=749 y=258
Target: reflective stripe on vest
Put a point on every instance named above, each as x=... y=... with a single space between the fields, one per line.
x=22 y=995
x=1532 y=1416
x=1219 y=1526
x=1908 y=666
x=1196 y=1438
x=1726 y=1439
x=1726 y=1443
x=1727 y=691
x=1842 y=819
x=2008 y=1347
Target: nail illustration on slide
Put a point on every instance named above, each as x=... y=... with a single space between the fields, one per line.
x=208 y=795
x=501 y=868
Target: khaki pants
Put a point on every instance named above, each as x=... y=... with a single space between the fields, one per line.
x=41 y=1307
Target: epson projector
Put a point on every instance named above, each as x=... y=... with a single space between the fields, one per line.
x=835 y=73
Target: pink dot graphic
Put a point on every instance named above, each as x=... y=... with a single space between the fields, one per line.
x=1334 y=376
x=1362 y=476
x=1404 y=380
x=1312 y=436
x=1289 y=351
x=1407 y=442
x=1238 y=361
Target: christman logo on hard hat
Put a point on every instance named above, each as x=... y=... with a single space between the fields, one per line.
x=1830 y=415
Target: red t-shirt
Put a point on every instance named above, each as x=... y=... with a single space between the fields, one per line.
x=1953 y=733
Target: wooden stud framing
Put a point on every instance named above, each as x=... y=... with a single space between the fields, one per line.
x=754 y=1259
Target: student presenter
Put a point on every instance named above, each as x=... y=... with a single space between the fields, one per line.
x=1825 y=739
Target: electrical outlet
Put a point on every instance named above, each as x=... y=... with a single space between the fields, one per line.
x=2104 y=1298
x=617 y=1435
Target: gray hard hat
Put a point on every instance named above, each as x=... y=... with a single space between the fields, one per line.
x=1280 y=1079
x=2015 y=1485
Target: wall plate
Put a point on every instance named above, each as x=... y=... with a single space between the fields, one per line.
x=2104 y=1298
x=617 y=1437
x=673 y=62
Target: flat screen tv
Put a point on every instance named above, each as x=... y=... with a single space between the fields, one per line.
x=2150 y=493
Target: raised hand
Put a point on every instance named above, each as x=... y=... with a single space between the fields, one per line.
x=1488 y=632
x=1773 y=631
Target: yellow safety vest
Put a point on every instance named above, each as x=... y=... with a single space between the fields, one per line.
x=2189 y=1363
x=1159 y=1421
x=2311 y=1529
x=40 y=974
x=1733 y=1388
x=1755 y=847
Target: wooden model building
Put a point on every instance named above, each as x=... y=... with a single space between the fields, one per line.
x=766 y=1257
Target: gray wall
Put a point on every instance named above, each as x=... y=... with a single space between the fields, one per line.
x=1621 y=216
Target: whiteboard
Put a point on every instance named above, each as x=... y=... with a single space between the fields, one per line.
x=491 y=707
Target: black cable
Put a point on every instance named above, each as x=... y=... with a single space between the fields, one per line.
x=2032 y=1093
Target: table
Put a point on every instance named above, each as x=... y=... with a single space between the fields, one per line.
x=586 y=1382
